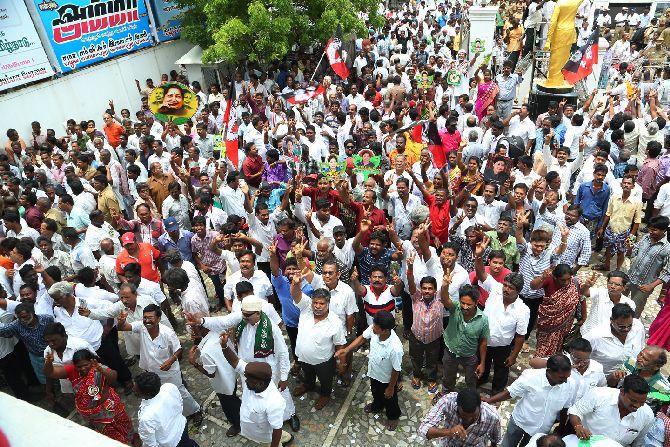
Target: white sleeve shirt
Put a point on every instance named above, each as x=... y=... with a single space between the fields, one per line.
x=317 y=340
x=504 y=323
x=609 y=351
x=159 y=419
x=599 y=411
x=539 y=402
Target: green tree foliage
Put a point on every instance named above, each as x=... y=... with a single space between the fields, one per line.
x=265 y=30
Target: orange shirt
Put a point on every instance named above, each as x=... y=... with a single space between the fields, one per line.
x=146 y=256
x=6 y=263
x=113 y=133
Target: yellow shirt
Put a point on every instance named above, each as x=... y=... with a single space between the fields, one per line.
x=107 y=201
x=623 y=214
x=515 y=36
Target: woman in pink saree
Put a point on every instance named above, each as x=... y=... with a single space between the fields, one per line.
x=487 y=91
x=659 y=331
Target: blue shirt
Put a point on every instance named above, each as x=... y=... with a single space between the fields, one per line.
x=32 y=337
x=289 y=312
x=77 y=219
x=366 y=262
x=183 y=244
x=593 y=203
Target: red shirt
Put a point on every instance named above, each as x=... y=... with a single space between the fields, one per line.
x=332 y=195
x=483 y=294
x=146 y=256
x=450 y=141
x=439 y=218
x=377 y=217
x=113 y=133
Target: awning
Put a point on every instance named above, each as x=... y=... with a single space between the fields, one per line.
x=192 y=57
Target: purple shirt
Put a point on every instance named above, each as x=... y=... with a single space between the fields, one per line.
x=276 y=173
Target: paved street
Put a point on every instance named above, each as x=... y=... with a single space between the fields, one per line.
x=343 y=422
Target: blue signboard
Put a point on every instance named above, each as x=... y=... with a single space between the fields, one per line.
x=168 y=23
x=83 y=32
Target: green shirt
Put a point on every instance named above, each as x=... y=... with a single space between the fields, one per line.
x=657 y=383
x=509 y=248
x=461 y=338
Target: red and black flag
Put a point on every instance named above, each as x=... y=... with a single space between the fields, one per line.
x=230 y=127
x=301 y=96
x=337 y=57
x=582 y=59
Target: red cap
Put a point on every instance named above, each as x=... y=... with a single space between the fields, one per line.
x=127 y=238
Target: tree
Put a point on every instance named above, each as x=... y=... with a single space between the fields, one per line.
x=263 y=31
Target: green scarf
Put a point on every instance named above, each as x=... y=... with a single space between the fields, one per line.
x=264 y=344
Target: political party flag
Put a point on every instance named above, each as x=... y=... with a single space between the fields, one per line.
x=336 y=55
x=582 y=59
x=301 y=96
x=230 y=137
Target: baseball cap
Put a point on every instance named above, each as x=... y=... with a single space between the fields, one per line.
x=170 y=224
x=127 y=238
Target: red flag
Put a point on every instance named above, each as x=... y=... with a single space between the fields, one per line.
x=337 y=56
x=230 y=136
x=301 y=96
x=582 y=59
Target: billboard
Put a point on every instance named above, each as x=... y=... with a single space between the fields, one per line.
x=83 y=32
x=168 y=23
x=22 y=58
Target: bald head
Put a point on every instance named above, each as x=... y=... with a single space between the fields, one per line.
x=107 y=246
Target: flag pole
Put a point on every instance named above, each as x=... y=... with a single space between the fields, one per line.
x=317 y=66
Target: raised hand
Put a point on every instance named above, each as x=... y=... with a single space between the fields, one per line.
x=223 y=338
x=193 y=355
x=565 y=232
x=481 y=246
x=410 y=259
x=354 y=274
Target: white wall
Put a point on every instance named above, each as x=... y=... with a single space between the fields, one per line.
x=26 y=425
x=85 y=93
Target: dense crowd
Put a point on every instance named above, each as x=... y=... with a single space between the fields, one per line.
x=415 y=208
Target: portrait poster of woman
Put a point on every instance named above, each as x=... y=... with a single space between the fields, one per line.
x=173 y=102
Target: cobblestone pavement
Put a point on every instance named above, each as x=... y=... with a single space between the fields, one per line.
x=342 y=423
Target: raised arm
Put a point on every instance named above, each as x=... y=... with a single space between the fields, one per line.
x=480 y=248
x=364 y=229
x=444 y=292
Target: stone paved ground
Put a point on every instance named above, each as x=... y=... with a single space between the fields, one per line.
x=342 y=423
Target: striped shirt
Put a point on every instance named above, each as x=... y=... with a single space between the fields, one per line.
x=578 y=249
x=427 y=324
x=444 y=414
x=650 y=261
x=532 y=266
x=373 y=303
x=366 y=261
x=201 y=248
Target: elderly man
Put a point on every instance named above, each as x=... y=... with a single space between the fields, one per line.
x=253 y=324
x=647 y=365
x=160 y=351
x=621 y=415
x=159 y=183
x=320 y=334
x=462 y=419
x=67 y=311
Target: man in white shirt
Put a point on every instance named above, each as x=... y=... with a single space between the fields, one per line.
x=250 y=321
x=619 y=414
x=320 y=334
x=508 y=321
x=207 y=357
x=317 y=147
x=320 y=224
x=262 y=407
x=247 y=272
x=520 y=125
x=622 y=338
x=160 y=351
x=488 y=208
x=232 y=196
x=541 y=394
x=159 y=418
x=603 y=299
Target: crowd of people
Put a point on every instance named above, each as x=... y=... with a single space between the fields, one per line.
x=415 y=209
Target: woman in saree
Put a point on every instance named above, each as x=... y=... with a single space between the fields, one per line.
x=469 y=174
x=659 y=331
x=487 y=91
x=562 y=295
x=94 y=397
